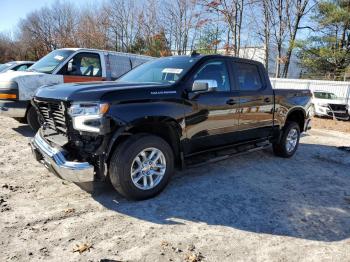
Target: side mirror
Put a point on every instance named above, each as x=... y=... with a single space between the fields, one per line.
x=204 y=85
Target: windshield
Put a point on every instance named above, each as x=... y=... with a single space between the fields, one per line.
x=50 y=62
x=5 y=66
x=325 y=95
x=162 y=70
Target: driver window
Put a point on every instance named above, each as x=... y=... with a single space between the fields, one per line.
x=217 y=71
x=83 y=64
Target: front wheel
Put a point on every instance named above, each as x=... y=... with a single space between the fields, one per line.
x=33 y=119
x=289 y=141
x=141 y=166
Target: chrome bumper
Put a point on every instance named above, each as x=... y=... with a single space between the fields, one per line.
x=54 y=160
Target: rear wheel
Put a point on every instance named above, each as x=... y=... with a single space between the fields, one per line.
x=289 y=141
x=141 y=166
x=33 y=119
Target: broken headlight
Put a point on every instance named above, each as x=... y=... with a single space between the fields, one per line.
x=88 y=116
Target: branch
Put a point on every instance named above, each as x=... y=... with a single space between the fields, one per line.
x=306 y=27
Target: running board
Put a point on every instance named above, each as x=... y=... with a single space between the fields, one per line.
x=225 y=154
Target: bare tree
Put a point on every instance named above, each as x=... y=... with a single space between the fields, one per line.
x=94 y=29
x=123 y=22
x=297 y=11
x=232 y=11
x=183 y=16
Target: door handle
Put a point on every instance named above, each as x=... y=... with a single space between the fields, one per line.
x=267 y=100
x=231 y=102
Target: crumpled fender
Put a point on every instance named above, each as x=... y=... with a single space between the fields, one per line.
x=29 y=82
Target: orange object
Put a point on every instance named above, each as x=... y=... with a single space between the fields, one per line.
x=8 y=96
x=73 y=79
x=104 y=108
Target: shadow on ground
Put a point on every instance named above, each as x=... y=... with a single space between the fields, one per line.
x=24 y=130
x=303 y=197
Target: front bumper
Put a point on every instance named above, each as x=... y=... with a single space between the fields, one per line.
x=343 y=115
x=13 y=108
x=55 y=161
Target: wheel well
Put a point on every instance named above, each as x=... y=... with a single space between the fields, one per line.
x=298 y=117
x=28 y=107
x=167 y=131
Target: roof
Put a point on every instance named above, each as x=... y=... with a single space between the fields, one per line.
x=107 y=51
x=19 y=62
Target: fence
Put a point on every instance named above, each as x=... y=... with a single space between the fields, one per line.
x=340 y=89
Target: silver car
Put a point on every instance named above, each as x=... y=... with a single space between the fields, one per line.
x=15 y=66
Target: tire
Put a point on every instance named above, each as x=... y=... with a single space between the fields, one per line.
x=123 y=161
x=283 y=148
x=33 y=119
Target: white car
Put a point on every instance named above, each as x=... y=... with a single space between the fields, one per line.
x=16 y=66
x=329 y=105
x=68 y=65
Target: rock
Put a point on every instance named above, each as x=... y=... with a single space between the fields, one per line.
x=191 y=247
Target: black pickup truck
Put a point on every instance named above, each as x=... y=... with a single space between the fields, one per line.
x=161 y=115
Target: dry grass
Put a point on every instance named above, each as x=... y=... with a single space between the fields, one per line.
x=330 y=124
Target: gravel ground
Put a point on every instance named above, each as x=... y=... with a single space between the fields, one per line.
x=254 y=207
x=330 y=124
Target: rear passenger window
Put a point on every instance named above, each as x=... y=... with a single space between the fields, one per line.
x=248 y=77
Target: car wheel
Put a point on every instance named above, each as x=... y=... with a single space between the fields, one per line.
x=33 y=119
x=289 y=141
x=141 y=166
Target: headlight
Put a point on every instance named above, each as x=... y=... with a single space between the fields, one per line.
x=8 y=90
x=79 y=109
x=88 y=116
x=323 y=104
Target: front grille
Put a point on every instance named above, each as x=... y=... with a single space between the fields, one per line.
x=54 y=115
x=336 y=107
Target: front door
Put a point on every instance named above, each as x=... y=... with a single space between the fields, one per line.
x=83 y=67
x=256 y=101
x=214 y=117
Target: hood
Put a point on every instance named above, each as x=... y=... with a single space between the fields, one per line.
x=91 y=91
x=13 y=75
x=29 y=82
x=340 y=101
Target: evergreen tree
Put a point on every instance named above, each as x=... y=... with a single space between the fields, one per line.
x=327 y=53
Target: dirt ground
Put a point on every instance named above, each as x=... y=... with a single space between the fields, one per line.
x=330 y=124
x=254 y=207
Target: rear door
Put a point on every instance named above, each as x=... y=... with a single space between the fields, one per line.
x=256 y=100
x=214 y=117
x=82 y=67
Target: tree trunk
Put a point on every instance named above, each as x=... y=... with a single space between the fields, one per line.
x=266 y=34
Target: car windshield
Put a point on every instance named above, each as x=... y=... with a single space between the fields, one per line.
x=325 y=95
x=50 y=62
x=3 y=67
x=162 y=70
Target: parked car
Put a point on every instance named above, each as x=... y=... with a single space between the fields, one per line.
x=160 y=115
x=60 y=66
x=329 y=105
x=15 y=66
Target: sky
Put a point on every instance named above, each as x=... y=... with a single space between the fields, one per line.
x=13 y=10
